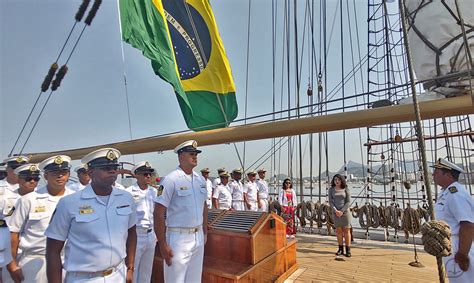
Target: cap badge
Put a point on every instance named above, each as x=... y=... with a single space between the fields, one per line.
x=111 y=155
x=147 y=165
x=58 y=160
x=33 y=168
x=195 y=144
x=86 y=167
x=20 y=159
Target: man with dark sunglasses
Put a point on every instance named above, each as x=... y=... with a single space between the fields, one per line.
x=28 y=178
x=8 y=197
x=97 y=224
x=31 y=217
x=144 y=196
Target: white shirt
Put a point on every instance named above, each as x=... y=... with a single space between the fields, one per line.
x=31 y=217
x=284 y=201
x=184 y=197
x=262 y=189
x=8 y=197
x=145 y=204
x=216 y=182
x=237 y=190
x=76 y=186
x=209 y=193
x=224 y=196
x=454 y=207
x=96 y=233
x=250 y=188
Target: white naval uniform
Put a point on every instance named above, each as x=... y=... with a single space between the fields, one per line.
x=146 y=238
x=118 y=185
x=184 y=197
x=224 y=196
x=95 y=233
x=262 y=186
x=237 y=190
x=76 y=186
x=209 y=193
x=251 y=189
x=30 y=219
x=454 y=207
x=8 y=197
x=216 y=182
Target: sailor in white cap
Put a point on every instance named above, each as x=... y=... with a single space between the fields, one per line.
x=250 y=192
x=28 y=178
x=98 y=226
x=237 y=189
x=222 y=196
x=183 y=201
x=262 y=194
x=456 y=207
x=217 y=180
x=144 y=196
x=205 y=174
x=8 y=197
x=31 y=218
x=82 y=176
x=3 y=171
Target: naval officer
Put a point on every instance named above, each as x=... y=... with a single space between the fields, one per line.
x=144 y=196
x=28 y=178
x=222 y=196
x=31 y=217
x=183 y=201
x=217 y=180
x=237 y=190
x=250 y=192
x=456 y=207
x=8 y=196
x=205 y=174
x=262 y=194
x=82 y=176
x=98 y=226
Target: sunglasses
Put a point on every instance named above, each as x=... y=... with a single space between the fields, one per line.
x=29 y=179
x=287 y=182
x=109 y=167
x=146 y=174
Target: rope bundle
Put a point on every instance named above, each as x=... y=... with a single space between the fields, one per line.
x=326 y=211
x=310 y=212
x=301 y=213
x=384 y=215
x=411 y=220
x=395 y=216
x=436 y=238
x=275 y=207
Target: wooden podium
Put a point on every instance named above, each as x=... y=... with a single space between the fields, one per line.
x=244 y=246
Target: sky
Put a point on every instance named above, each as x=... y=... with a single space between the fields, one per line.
x=90 y=107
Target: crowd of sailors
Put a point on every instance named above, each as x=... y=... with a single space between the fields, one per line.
x=96 y=230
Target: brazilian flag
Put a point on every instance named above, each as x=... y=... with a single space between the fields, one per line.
x=182 y=41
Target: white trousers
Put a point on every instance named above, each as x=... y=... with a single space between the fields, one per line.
x=238 y=205
x=253 y=206
x=118 y=276
x=144 y=256
x=5 y=248
x=188 y=256
x=454 y=273
x=264 y=205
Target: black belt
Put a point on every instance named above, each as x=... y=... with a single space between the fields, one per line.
x=3 y=224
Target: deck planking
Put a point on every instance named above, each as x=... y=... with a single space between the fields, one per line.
x=371 y=261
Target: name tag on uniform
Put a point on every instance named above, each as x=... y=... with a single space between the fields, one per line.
x=40 y=209
x=183 y=188
x=86 y=209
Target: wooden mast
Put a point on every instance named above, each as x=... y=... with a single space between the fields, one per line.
x=333 y=122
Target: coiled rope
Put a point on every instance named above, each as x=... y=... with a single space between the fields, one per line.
x=411 y=220
x=436 y=238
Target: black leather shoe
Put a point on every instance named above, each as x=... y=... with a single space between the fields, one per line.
x=348 y=251
x=340 y=251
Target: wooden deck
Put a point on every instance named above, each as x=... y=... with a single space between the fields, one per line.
x=371 y=261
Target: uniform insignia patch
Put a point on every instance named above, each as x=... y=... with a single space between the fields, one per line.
x=183 y=188
x=10 y=212
x=86 y=209
x=453 y=190
x=40 y=209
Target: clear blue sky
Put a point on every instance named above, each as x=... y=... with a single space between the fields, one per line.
x=90 y=106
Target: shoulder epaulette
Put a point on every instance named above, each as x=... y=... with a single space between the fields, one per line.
x=10 y=213
x=453 y=189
